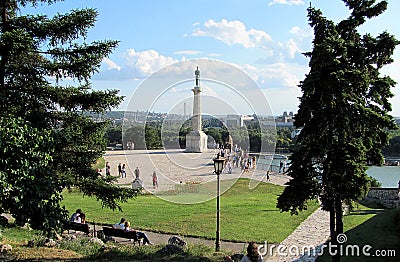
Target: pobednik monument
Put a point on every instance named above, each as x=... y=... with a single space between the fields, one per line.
x=196 y=140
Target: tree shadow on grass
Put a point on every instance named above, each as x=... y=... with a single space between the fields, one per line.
x=379 y=235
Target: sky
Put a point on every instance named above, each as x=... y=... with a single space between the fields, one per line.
x=264 y=39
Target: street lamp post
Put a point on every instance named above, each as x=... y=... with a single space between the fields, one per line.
x=218 y=167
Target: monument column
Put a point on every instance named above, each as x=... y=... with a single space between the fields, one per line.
x=196 y=119
x=196 y=140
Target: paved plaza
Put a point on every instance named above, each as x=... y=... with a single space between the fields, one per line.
x=175 y=166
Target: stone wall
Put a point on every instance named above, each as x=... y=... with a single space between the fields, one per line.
x=388 y=197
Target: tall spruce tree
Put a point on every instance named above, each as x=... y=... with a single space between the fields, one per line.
x=47 y=144
x=343 y=112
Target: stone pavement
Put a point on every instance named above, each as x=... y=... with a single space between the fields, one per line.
x=175 y=167
x=308 y=236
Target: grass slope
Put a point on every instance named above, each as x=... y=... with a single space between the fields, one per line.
x=246 y=215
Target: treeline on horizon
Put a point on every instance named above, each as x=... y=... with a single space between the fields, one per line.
x=156 y=135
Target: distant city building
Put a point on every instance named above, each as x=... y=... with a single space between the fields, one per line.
x=286 y=120
x=232 y=121
x=131 y=118
x=266 y=121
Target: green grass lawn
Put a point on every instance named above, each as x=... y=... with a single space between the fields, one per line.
x=100 y=163
x=371 y=225
x=246 y=215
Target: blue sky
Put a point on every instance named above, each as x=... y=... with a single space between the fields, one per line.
x=264 y=38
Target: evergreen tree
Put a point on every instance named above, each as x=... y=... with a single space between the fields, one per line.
x=47 y=143
x=344 y=112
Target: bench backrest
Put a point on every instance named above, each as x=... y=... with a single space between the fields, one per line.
x=115 y=232
x=76 y=226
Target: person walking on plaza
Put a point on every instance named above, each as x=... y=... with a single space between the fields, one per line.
x=137 y=173
x=280 y=166
x=108 y=172
x=123 y=171
x=119 y=170
x=155 y=180
x=284 y=166
x=229 y=167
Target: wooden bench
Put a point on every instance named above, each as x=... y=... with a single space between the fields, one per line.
x=115 y=232
x=68 y=225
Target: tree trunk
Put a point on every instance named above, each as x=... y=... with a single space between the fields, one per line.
x=338 y=218
x=332 y=223
x=332 y=227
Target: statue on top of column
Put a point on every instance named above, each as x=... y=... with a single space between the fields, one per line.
x=197 y=73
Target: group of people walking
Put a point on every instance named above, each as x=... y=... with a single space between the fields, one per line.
x=236 y=157
x=122 y=173
x=121 y=170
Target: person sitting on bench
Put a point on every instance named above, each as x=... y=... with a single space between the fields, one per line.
x=120 y=225
x=83 y=218
x=138 y=233
x=77 y=222
x=76 y=216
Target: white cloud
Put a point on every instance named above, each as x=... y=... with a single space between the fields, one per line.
x=146 y=62
x=286 y=2
x=302 y=33
x=301 y=41
x=252 y=71
x=111 y=64
x=292 y=48
x=276 y=75
x=283 y=73
x=233 y=32
x=214 y=55
x=187 y=52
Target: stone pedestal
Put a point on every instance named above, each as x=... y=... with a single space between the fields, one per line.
x=196 y=142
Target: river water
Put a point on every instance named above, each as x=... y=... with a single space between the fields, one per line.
x=389 y=176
